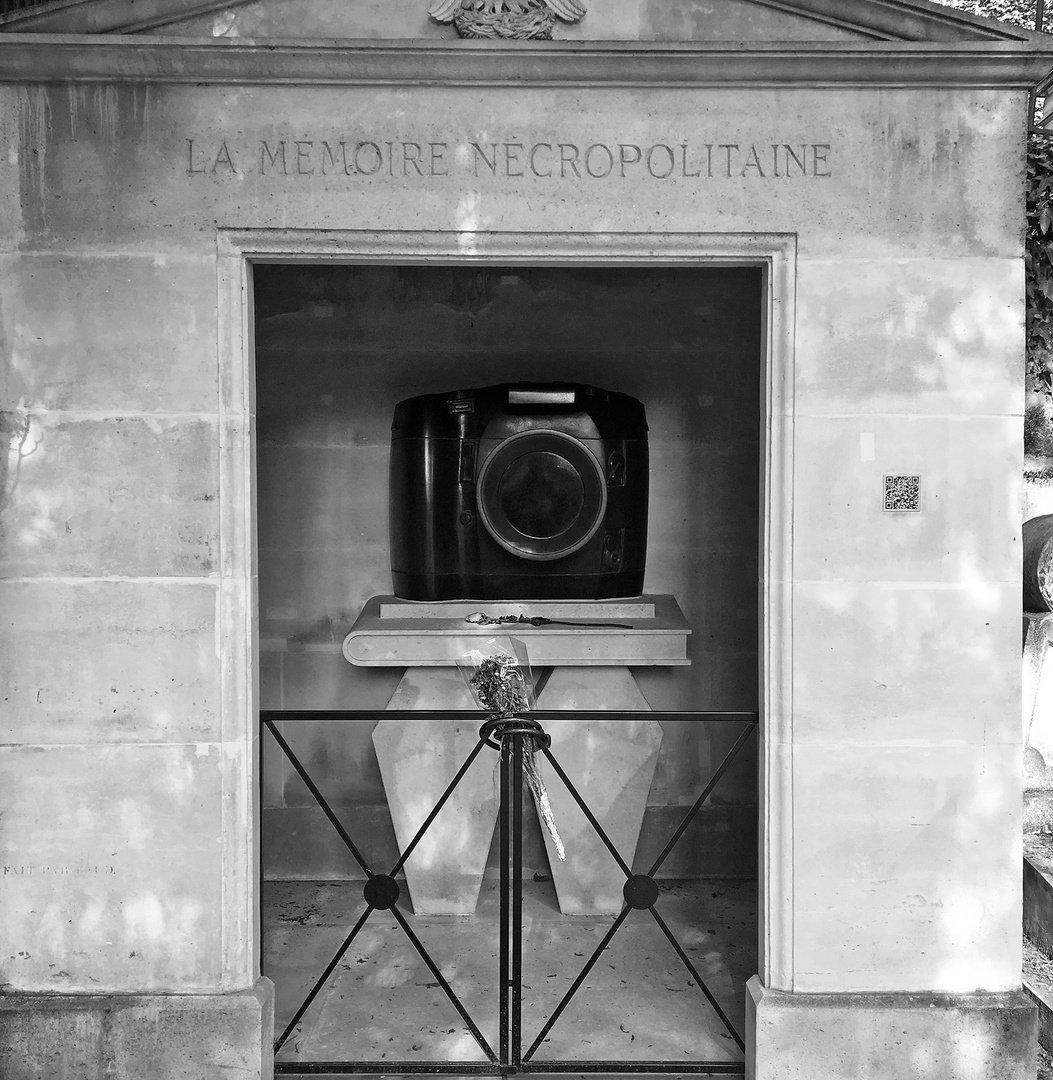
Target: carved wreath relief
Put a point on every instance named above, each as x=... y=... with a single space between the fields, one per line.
x=510 y=19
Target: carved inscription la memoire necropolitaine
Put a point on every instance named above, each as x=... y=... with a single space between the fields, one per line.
x=288 y=157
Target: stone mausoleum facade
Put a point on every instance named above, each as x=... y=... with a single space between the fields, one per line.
x=862 y=161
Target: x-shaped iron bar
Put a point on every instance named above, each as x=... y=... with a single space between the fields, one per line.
x=393 y=908
x=419 y=947
x=688 y=818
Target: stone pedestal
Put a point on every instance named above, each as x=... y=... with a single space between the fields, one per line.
x=418 y=759
x=864 y=1036
x=611 y=763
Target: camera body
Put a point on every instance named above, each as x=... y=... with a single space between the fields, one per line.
x=521 y=491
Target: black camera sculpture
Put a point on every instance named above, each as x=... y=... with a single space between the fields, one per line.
x=523 y=491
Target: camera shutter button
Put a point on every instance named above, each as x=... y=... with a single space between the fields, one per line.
x=467 y=517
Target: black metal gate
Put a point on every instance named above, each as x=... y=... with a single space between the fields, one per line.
x=642 y=892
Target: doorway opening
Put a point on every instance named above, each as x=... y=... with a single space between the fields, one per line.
x=337 y=346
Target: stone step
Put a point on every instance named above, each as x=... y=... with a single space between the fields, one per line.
x=1038 y=890
x=1038 y=984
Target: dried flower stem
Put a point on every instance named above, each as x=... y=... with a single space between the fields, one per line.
x=501 y=689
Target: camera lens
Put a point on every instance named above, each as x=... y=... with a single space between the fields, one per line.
x=541 y=495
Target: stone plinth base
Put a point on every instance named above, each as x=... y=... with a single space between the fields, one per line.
x=611 y=763
x=889 y=1036
x=418 y=760
x=138 y=1036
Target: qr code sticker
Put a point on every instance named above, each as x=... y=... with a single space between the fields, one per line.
x=903 y=493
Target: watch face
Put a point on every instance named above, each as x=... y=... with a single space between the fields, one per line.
x=542 y=495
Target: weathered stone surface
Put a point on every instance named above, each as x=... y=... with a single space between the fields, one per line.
x=943 y=823
x=863 y=1036
x=634 y=20
x=300 y=843
x=933 y=337
x=323 y=495
x=719 y=843
x=130 y=1037
x=126 y=495
x=887 y=662
x=921 y=164
x=964 y=532
x=435 y=688
x=72 y=353
x=138 y=662
x=113 y=871
x=314 y=593
x=340 y=758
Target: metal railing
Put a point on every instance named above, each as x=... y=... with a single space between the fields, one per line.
x=381 y=892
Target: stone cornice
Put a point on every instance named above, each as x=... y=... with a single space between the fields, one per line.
x=33 y=58
x=893 y=20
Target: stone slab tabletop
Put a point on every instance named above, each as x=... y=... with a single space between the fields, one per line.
x=401 y=633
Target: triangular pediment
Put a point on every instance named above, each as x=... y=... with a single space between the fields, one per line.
x=606 y=20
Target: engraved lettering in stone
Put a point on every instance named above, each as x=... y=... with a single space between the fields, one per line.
x=303 y=157
x=438 y=162
x=661 y=161
x=200 y=161
x=419 y=160
x=369 y=162
x=568 y=155
x=533 y=159
x=48 y=870
x=604 y=161
x=728 y=147
x=329 y=158
x=190 y=166
x=800 y=162
x=224 y=160
x=752 y=162
x=628 y=154
x=512 y=162
x=267 y=156
x=490 y=162
x=683 y=164
x=411 y=156
x=819 y=161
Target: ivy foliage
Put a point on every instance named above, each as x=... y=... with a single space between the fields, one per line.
x=1038 y=261
x=1018 y=12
